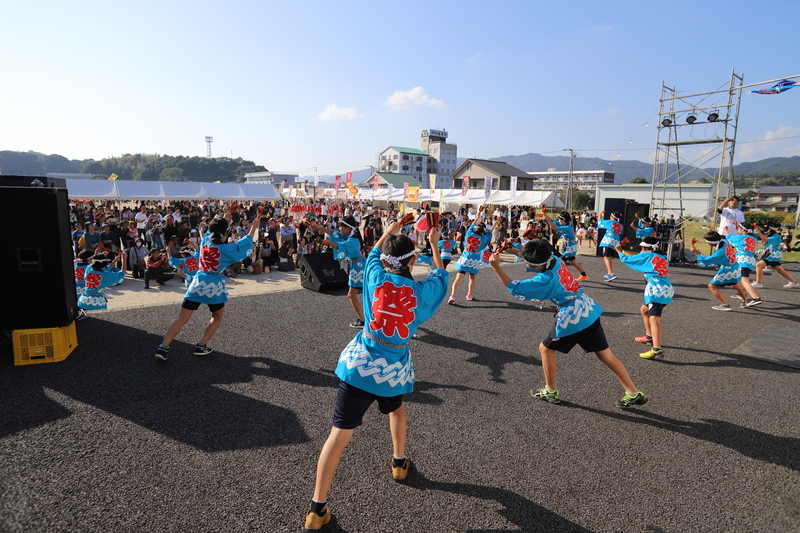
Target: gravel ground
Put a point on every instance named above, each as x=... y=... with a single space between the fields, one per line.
x=111 y=440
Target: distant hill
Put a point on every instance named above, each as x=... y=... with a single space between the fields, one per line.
x=36 y=164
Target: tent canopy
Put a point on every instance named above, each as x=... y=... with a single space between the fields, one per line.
x=78 y=189
x=473 y=196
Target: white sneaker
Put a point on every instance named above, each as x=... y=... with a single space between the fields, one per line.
x=757 y=285
x=791 y=285
x=721 y=307
x=736 y=297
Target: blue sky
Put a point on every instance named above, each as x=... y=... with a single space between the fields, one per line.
x=296 y=85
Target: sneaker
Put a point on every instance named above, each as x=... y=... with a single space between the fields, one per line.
x=400 y=472
x=644 y=339
x=757 y=285
x=790 y=285
x=451 y=300
x=314 y=521
x=202 y=349
x=630 y=400
x=753 y=301
x=358 y=324
x=161 y=353
x=470 y=297
x=544 y=394
x=721 y=307
x=81 y=315
x=652 y=353
x=736 y=297
x=147 y=286
x=581 y=278
x=610 y=277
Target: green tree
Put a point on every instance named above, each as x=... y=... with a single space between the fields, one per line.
x=171 y=174
x=639 y=180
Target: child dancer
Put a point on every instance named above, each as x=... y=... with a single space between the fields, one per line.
x=376 y=365
x=611 y=239
x=101 y=275
x=643 y=226
x=563 y=227
x=577 y=319
x=187 y=264
x=658 y=292
x=745 y=244
x=772 y=257
x=346 y=243
x=728 y=274
x=475 y=242
x=208 y=285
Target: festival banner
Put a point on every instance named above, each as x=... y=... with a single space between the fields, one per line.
x=431 y=182
x=316 y=178
x=487 y=187
x=441 y=201
x=375 y=184
x=353 y=189
x=349 y=178
x=413 y=194
x=464 y=185
x=113 y=177
x=405 y=191
x=337 y=182
x=513 y=189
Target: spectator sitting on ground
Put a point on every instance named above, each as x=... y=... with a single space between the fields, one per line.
x=157 y=268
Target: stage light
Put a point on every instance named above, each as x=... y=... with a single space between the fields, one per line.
x=691 y=119
x=666 y=122
x=713 y=117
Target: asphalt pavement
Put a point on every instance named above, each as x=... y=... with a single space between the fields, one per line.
x=112 y=440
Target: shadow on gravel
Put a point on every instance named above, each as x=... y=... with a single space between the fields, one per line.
x=113 y=369
x=781 y=451
x=729 y=361
x=523 y=513
x=492 y=358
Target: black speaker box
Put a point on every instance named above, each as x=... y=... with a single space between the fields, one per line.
x=321 y=272
x=8 y=180
x=38 y=270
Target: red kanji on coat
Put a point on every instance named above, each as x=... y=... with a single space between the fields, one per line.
x=660 y=265
x=393 y=309
x=616 y=227
x=80 y=273
x=191 y=264
x=750 y=244
x=209 y=258
x=445 y=245
x=730 y=253
x=93 y=280
x=472 y=243
x=566 y=279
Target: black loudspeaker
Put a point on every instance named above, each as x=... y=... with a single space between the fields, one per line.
x=612 y=205
x=7 y=180
x=321 y=272
x=630 y=216
x=39 y=270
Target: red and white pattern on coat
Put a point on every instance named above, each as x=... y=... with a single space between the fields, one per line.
x=616 y=227
x=660 y=265
x=192 y=264
x=446 y=245
x=472 y=243
x=730 y=253
x=749 y=244
x=209 y=259
x=393 y=309
x=80 y=272
x=93 y=280
x=566 y=279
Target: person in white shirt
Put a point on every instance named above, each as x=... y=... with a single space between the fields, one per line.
x=141 y=221
x=730 y=217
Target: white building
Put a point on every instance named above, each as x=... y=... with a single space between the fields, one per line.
x=585 y=180
x=697 y=199
x=442 y=157
x=397 y=160
x=289 y=179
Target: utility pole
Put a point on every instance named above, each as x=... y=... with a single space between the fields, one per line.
x=568 y=196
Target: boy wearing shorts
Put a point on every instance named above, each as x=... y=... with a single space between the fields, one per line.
x=611 y=239
x=728 y=275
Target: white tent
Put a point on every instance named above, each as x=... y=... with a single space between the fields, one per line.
x=473 y=196
x=79 y=189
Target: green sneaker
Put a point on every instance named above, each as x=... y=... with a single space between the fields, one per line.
x=630 y=400
x=547 y=395
x=652 y=353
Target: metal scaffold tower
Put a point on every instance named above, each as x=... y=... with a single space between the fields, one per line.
x=694 y=130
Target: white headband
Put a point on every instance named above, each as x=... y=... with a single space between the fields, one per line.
x=545 y=264
x=346 y=224
x=712 y=242
x=645 y=245
x=393 y=261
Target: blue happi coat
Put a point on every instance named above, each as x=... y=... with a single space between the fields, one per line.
x=208 y=285
x=655 y=268
x=378 y=359
x=729 y=272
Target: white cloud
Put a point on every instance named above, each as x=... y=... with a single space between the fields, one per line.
x=779 y=143
x=415 y=96
x=334 y=112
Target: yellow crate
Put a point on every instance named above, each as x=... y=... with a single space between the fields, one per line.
x=46 y=345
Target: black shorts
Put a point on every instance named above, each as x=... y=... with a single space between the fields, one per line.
x=591 y=339
x=745 y=272
x=609 y=252
x=194 y=306
x=772 y=264
x=352 y=403
x=655 y=309
x=568 y=259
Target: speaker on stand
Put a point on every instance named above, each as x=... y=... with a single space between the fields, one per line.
x=321 y=272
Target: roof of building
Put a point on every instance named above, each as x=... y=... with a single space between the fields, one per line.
x=496 y=167
x=409 y=151
x=398 y=180
x=779 y=190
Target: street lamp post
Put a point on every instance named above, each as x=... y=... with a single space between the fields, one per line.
x=568 y=196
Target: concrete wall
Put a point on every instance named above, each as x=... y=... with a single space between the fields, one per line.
x=699 y=200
